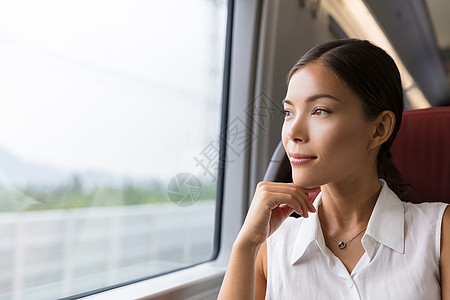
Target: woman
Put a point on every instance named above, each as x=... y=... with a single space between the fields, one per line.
x=343 y=109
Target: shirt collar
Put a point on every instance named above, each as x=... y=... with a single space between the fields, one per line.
x=386 y=226
x=308 y=233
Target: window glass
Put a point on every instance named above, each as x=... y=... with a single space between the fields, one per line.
x=109 y=141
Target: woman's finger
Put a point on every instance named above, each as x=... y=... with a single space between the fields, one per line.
x=289 y=188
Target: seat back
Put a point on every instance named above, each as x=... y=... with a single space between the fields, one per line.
x=421 y=152
x=279 y=168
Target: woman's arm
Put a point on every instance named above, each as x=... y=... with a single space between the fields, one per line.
x=240 y=276
x=445 y=255
x=272 y=204
x=261 y=273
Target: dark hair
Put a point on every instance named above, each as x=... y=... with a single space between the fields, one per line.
x=372 y=74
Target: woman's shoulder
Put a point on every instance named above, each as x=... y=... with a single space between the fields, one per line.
x=425 y=207
x=427 y=212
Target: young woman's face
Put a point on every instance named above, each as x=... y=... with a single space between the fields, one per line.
x=325 y=132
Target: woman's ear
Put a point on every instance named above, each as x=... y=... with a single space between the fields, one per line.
x=382 y=128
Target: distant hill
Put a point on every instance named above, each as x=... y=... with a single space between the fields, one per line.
x=17 y=173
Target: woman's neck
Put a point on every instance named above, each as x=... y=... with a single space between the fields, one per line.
x=349 y=204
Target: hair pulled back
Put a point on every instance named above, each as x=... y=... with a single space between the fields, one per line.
x=373 y=75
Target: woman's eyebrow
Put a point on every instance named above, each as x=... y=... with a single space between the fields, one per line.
x=318 y=96
x=313 y=98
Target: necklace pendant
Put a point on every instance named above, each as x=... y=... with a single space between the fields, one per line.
x=341 y=245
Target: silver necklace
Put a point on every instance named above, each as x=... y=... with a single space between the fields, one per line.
x=342 y=244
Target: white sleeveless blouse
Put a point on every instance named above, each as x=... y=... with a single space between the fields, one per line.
x=401 y=259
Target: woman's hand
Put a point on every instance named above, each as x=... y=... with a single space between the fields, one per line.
x=272 y=203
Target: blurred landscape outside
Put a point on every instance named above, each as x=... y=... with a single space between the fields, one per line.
x=103 y=103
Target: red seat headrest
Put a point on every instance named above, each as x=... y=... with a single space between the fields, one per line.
x=421 y=152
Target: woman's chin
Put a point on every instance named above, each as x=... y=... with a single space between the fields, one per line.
x=311 y=190
x=307 y=186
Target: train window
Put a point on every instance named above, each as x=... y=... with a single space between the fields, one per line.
x=109 y=126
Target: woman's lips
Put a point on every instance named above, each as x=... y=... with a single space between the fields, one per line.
x=300 y=159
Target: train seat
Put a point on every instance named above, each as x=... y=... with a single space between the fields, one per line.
x=421 y=152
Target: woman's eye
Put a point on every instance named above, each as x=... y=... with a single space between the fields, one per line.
x=320 y=111
x=287 y=113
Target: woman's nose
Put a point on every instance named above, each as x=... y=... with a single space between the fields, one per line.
x=297 y=130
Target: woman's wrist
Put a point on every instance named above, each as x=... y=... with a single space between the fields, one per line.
x=244 y=245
